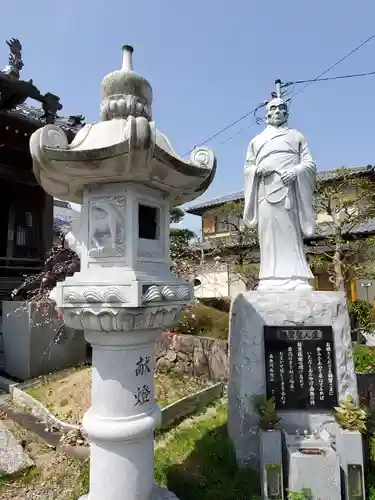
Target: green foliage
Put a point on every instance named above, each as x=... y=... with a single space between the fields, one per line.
x=304 y=494
x=362 y=315
x=364 y=359
x=176 y=215
x=26 y=476
x=198 y=319
x=199 y=462
x=370 y=479
x=266 y=409
x=347 y=200
x=179 y=242
x=273 y=467
x=185 y=258
x=350 y=416
x=240 y=244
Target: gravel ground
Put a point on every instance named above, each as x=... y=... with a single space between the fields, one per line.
x=69 y=397
x=55 y=476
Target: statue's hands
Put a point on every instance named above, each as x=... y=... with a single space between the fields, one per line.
x=264 y=170
x=288 y=176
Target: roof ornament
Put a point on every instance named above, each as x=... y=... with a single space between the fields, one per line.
x=15 y=63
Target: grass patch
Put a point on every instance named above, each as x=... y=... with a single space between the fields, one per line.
x=25 y=477
x=200 y=319
x=69 y=396
x=199 y=461
x=54 y=476
x=196 y=461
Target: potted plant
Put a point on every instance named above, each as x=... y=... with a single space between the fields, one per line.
x=350 y=416
x=270 y=448
x=36 y=342
x=304 y=494
x=353 y=422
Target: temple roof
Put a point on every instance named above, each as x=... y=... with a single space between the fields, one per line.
x=14 y=93
x=34 y=116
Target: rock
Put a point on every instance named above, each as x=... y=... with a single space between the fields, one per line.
x=171 y=356
x=192 y=355
x=179 y=368
x=218 y=361
x=183 y=343
x=189 y=369
x=201 y=366
x=163 y=365
x=160 y=349
x=12 y=456
x=182 y=357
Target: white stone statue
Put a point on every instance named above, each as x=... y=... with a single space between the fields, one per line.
x=279 y=187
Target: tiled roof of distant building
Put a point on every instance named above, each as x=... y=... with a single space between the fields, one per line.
x=62 y=221
x=61 y=203
x=199 y=208
x=62 y=224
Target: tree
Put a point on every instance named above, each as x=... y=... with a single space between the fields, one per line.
x=183 y=250
x=60 y=263
x=239 y=245
x=347 y=201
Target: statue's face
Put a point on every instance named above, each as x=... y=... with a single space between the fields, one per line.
x=277 y=112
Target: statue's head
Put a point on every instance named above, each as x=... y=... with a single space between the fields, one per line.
x=277 y=112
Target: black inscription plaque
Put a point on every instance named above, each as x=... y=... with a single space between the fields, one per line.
x=300 y=367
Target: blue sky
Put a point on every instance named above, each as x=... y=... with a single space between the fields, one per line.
x=210 y=62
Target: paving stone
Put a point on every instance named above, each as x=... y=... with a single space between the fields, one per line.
x=12 y=456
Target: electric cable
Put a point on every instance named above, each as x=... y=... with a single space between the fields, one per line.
x=308 y=82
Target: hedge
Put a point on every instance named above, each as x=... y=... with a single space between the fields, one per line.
x=199 y=319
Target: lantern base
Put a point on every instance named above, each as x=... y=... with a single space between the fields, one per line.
x=158 y=493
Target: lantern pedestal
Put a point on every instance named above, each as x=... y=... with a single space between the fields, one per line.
x=121 y=421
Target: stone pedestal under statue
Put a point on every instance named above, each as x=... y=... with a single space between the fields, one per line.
x=295 y=347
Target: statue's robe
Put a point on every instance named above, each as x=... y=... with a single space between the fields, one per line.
x=282 y=212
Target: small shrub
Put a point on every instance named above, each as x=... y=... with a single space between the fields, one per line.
x=362 y=315
x=304 y=494
x=220 y=303
x=371 y=485
x=350 y=416
x=364 y=359
x=198 y=319
x=266 y=409
x=370 y=479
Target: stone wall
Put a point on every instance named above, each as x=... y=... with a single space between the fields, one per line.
x=192 y=355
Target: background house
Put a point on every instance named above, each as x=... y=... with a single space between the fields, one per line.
x=62 y=218
x=217 y=276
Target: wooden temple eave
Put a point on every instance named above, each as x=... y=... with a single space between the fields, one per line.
x=13 y=174
x=16 y=125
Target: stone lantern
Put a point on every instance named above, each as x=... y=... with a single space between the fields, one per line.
x=126 y=175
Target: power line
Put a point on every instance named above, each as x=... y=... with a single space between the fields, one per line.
x=236 y=134
x=308 y=82
x=335 y=64
x=314 y=80
x=230 y=125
